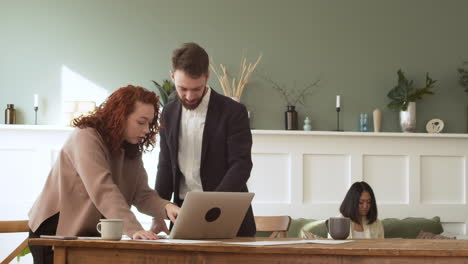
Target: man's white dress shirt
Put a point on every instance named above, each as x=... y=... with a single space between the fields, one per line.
x=192 y=124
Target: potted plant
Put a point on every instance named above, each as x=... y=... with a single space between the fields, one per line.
x=403 y=98
x=231 y=87
x=166 y=91
x=292 y=97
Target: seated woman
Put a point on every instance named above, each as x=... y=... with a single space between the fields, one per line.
x=360 y=206
x=99 y=173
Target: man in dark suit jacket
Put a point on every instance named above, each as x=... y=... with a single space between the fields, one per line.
x=205 y=138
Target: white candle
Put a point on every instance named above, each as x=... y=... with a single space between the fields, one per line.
x=337 y=101
x=36 y=100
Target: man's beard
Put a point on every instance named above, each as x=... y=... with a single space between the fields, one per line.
x=192 y=106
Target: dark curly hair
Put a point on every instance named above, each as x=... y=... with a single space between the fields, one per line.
x=110 y=117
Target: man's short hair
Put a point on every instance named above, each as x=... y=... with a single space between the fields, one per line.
x=191 y=59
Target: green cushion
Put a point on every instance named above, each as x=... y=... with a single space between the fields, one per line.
x=294 y=228
x=411 y=226
x=297 y=225
x=317 y=228
x=263 y=234
x=394 y=228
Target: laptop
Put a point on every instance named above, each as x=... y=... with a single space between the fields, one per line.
x=206 y=215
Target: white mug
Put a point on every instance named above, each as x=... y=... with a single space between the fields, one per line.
x=110 y=229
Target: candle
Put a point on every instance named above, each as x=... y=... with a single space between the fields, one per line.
x=337 y=101
x=36 y=100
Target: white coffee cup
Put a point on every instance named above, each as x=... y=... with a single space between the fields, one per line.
x=110 y=229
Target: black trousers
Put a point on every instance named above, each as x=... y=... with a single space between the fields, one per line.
x=44 y=254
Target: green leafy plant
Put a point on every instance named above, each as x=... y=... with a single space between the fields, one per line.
x=464 y=76
x=166 y=91
x=404 y=92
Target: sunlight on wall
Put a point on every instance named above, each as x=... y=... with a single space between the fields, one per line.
x=75 y=87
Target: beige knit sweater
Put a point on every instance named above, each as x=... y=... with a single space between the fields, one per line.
x=87 y=183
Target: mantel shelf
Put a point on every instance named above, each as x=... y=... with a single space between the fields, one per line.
x=270 y=132
x=36 y=127
x=355 y=134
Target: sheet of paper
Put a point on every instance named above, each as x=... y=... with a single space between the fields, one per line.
x=178 y=241
x=255 y=243
x=98 y=238
x=289 y=242
x=332 y=242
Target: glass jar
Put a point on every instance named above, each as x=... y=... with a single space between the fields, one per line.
x=10 y=114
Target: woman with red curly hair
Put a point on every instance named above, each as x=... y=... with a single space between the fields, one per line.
x=99 y=173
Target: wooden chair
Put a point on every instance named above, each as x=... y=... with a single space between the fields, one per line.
x=14 y=227
x=279 y=225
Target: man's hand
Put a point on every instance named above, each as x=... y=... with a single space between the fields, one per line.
x=172 y=211
x=143 y=234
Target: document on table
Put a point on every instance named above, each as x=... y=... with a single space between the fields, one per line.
x=99 y=238
x=289 y=242
x=255 y=243
x=178 y=241
x=174 y=241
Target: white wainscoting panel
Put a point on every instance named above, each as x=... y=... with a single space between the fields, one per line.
x=18 y=165
x=273 y=183
x=385 y=173
x=455 y=228
x=443 y=179
x=326 y=177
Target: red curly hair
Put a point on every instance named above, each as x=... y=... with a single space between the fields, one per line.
x=110 y=118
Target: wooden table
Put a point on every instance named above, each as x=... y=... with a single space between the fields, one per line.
x=359 y=251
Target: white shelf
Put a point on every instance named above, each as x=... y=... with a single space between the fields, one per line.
x=269 y=132
x=36 y=127
x=355 y=134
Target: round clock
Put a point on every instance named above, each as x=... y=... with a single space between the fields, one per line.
x=435 y=125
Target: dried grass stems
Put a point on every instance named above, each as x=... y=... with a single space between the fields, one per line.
x=294 y=95
x=234 y=88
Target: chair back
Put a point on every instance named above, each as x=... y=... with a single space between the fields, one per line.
x=278 y=225
x=14 y=227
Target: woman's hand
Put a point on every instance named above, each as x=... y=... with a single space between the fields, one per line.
x=172 y=211
x=159 y=226
x=143 y=234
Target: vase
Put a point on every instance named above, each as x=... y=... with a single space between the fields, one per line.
x=249 y=114
x=291 y=118
x=307 y=126
x=377 y=118
x=363 y=122
x=408 y=118
x=10 y=114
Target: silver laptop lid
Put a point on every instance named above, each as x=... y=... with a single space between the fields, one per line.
x=211 y=215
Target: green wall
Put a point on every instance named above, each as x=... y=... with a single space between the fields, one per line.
x=354 y=47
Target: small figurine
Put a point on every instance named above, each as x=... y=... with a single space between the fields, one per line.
x=307 y=126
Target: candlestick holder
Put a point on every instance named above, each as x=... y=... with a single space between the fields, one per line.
x=338 y=109
x=35 y=114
